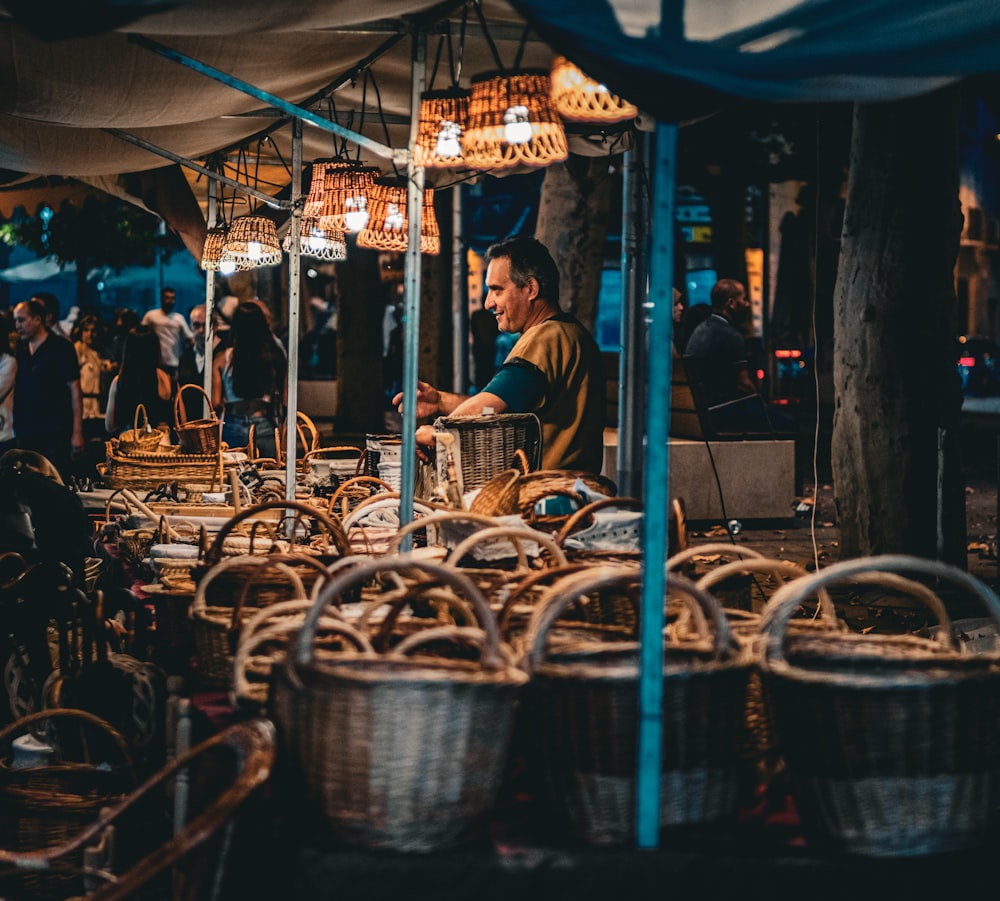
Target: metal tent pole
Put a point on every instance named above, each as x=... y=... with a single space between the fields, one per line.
x=459 y=299
x=656 y=490
x=632 y=350
x=411 y=299
x=206 y=378
x=294 y=231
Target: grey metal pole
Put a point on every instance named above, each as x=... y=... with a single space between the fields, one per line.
x=633 y=348
x=213 y=218
x=656 y=490
x=459 y=298
x=411 y=298
x=295 y=231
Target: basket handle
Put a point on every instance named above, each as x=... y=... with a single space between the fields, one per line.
x=581 y=513
x=712 y=547
x=180 y=417
x=786 y=600
x=70 y=713
x=286 y=629
x=358 y=574
x=371 y=481
x=332 y=526
x=270 y=563
x=529 y=581
x=767 y=566
x=472 y=637
x=246 y=560
x=517 y=536
x=434 y=519
x=385 y=499
x=146 y=427
x=567 y=590
x=397 y=600
x=339 y=449
x=278 y=613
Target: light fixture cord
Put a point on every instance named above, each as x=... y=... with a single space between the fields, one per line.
x=521 y=46
x=489 y=38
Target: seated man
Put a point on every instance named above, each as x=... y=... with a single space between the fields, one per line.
x=554 y=370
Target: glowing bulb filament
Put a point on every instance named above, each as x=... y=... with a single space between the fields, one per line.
x=394 y=218
x=517 y=128
x=448 y=141
x=356 y=215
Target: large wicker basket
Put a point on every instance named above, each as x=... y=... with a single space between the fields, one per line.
x=150 y=470
x=398 y=752
x=585 y=715
x=142 y=438
x=892 y=741
x=486 y=445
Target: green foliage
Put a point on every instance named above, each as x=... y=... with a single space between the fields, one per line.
x=104 y=232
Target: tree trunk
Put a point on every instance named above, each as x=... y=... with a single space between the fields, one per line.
x=572 y=222
x=360 y=402
x=896 y=389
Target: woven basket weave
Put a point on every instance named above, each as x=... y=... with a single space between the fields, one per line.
x=486 y=445
x=892 y=741
x=586 y=718
x=196 y=436
x=142 y=438
x=398 y=752
x=154 y=469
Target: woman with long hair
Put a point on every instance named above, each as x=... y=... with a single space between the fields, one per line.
x=249 y=380
x=140 y=380
x=8 y=374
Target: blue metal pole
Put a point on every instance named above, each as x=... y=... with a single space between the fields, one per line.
x=656 y=490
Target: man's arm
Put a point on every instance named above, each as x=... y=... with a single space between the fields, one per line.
x=77 y=399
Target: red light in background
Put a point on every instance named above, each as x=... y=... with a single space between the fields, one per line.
x=969 y=362
x=788 y=354
x=760 y=375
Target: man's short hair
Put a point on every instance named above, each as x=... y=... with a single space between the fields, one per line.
x=200 y=308
x=529 y=258
x=723 y=290
x=36 y=308
x=50 y=304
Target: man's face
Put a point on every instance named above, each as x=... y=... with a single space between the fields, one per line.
x=739 y=308
x=26 y=325
x=198 y=327
x=510 y=304
x=167 y=300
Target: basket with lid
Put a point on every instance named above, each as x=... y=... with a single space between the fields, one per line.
x=892 y=742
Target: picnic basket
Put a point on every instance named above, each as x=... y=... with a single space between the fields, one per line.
x=142 y=438
x=584 y=714
x=150 y=470
x=196 y=436
x=428 y=773
x=892 y=742
x=486 y=445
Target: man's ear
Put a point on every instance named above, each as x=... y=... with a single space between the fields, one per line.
x=532 y=286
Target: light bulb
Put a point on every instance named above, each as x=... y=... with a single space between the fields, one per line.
x=448 y=141
x=517 y=128
x=394 y=218
x=254 y=250
x=227 y=267
x=316 y=240
x=356 y=217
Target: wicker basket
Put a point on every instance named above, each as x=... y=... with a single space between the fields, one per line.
x=141 y=438
x=42 y=806
x=155 y=469
x=196 y=436
x=484 y=446
x=398 y=752
x=585 y=715
x=617 y=544
x=892 y=741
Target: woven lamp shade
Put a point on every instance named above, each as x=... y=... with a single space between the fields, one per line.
x=314 y=199
x=321 y=243
x=346 y=190
x=388 y=223
x=443 y=115
x=253 y=242
x=578 y=98
x=512 y=123
x=211 y=253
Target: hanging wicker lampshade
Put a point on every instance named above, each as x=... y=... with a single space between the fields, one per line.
x=345 y=196
x=252 y=242
x=387 y=224
x=321 y=243
x=314 y=199
x=211 y=253
x=512 y=122
x=443 y=115
x=578 y=98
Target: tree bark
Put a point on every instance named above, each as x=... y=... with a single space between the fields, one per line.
x=572 y=223
x=896 y=389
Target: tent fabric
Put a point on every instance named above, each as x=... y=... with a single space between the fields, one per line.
x=679 y=63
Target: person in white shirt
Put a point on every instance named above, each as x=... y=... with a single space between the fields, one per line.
x=171 y=329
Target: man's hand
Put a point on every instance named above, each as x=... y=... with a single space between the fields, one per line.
x=428 y=400
x=426 y=443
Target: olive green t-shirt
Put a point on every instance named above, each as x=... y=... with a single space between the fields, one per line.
x=555 y=371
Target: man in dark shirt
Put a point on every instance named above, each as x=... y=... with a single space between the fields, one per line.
x=48 y=406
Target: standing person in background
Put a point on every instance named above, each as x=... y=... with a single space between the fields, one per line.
x=249 y=380
x=53 y=312
x=171 y=329
x=48 y=408
x=140 y=380
x=92 y=366
x=8 y=375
